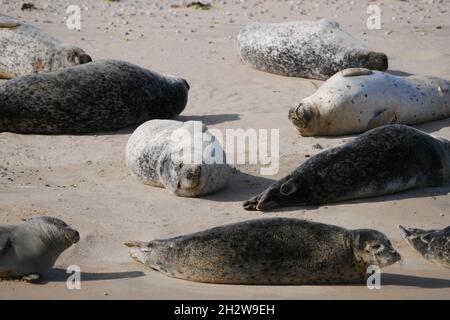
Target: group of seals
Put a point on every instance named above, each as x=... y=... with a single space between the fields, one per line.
x=97 y=96
x=382 y=161
x=356 y=100
x=30 y=250
x=273 y=251
x=24 y=49
x=308 y=49
x=154 y=154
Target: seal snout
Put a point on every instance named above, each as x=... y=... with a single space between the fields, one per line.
x=302 y=117
x=377 y=61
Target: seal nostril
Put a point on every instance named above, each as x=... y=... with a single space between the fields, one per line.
x=186 y=84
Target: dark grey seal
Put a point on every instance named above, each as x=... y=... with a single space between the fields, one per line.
x=97 y=96
x=308 y=49
x=433 y=245
x=269 y=252
x=30 y=249
x=382 y=161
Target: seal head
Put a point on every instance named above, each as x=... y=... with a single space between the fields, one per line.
x=372 y=247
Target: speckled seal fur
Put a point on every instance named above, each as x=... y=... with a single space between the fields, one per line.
x=356 y=100
x=153 y=156
x=278 y=251
x=433 y=245
x=308 y=49
x=97 y=96
x=25 y=49
x=382 y=161
x=31 y=249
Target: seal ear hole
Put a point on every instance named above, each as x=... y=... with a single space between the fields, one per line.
x=288 y=188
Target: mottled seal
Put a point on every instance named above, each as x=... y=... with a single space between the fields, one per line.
x=356 y=100
x=308 y=49
x=433 y=245
x=155 y=155
x=97 y=96
x=382 y=161
x=30 y=249
x=25 y=49
x=269 y=251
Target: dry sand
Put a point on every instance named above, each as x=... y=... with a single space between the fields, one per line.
x=83 y=179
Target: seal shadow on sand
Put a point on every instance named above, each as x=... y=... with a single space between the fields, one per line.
x=409 y=194
x=60 y=275
x=242 y=186
x=209 y=119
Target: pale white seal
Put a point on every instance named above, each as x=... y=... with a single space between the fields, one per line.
x=30 y=249
x=156 y=154
x=356 y=100
x=308 y=49
x=25 y=49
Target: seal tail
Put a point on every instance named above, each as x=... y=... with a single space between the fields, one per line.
x=140 y=251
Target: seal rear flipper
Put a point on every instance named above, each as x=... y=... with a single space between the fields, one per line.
x=382 y=118
x=9 y=22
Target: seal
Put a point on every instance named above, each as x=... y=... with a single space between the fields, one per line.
x=25 y=49
x=433 y=245
x=307 y=49
x=163 y=153
x=29 y=250
x=98 y=96
x=382 y=161
x=277 y=251
x=356 y=100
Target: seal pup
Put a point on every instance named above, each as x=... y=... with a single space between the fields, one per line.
x=307 y=49
x=433 y=245
x=382 y=161
x=29 y=250
x=98 y=96
x=277 y=251
x=356 y=100
x=24 y=49
x=155 y=155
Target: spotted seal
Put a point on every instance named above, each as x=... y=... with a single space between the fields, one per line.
x=156 y=154
x=98 y=96
x=433 y=245
x=25 y=49
x=273 y=251
x=356 y=100
x=308 y=49
x=31 y=249
x=382 y=161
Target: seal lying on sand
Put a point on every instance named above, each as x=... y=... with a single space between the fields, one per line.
x=24 y=49
x=269 y=252
x=308 y=49
x=433 y=245
x=156 y=151
x=356 y=100
x=93 y=97
x=31 y=249
x=382 y=161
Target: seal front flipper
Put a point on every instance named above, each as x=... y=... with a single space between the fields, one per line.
x=382 y=118
x=8 y=22
x=5 y=242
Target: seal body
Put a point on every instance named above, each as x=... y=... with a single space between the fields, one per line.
x=179 y=156
x=25 y=49
x=308 y=49
x=433 y=245
x=269 y=252
x=382 y=161
x=32 y=248
x=93 y=97
x=356 y=100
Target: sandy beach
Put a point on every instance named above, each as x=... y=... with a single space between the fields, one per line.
x=83 y=179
